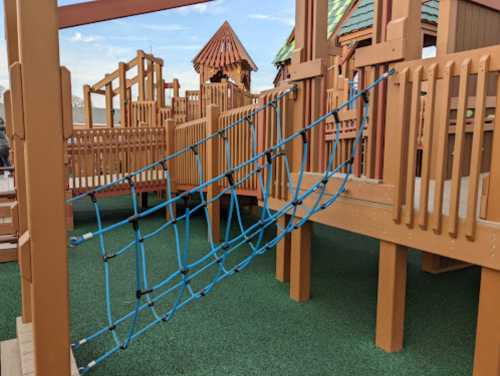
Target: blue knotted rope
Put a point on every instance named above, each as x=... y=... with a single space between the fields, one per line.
x=259 y=166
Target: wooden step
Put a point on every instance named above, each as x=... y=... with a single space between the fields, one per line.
x=25 y=340
x=10 y=363
x=8 y=252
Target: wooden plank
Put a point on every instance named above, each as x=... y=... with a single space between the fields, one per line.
x=10 y=358
x=391 y=301
x=412 y=146
x=97 y=11
x=428 y=147
x=487 y=353
x=442 y=148
x=212 y=150
x=300 y=264
x=458 y=151
x=39 y=47
x=477 y=148
x=400 y=136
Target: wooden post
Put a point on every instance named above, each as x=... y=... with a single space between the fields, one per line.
x=160 y=84
x=87 y=103
x=141 y=75
x=11 y=28
x=405 y=25
x=391 y=296
x=150 y=80
x=213 y=115
x=487 y=353
x=283 y=253
x=109 y=106
x=39 y=47
x=123 y=94
x=300 y=264
x=170 y=149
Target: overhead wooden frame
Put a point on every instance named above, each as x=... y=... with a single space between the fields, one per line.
x=105 y=10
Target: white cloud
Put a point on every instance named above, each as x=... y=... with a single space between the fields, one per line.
x=80 y=37
x=215 y=7
x=289 y=21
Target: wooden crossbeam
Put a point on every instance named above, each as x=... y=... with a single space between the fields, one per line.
x=105 y=10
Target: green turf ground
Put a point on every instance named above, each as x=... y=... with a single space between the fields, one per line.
x=249 y=326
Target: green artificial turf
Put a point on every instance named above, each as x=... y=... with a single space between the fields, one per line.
x=249 y=326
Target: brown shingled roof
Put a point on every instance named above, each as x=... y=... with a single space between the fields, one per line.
x=223 y=49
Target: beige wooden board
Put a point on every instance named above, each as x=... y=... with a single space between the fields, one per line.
x=25 y=340
x=10 y=358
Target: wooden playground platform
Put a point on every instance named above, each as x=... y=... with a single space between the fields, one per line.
x=426 y=175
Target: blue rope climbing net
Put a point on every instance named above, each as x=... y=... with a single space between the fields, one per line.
x=177 y=287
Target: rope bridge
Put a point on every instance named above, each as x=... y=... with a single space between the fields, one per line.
x=179 y=285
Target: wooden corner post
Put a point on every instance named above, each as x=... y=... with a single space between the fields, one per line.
x=18 y=144
x=213 y=116
x=403 y=29
x=43 y=126
x=308 y=72
x=487 y=353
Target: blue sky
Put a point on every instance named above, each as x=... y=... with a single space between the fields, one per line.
x=174 y=35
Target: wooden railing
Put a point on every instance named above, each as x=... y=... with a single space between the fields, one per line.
x=226 y=95
x=186 y=167
x=144 y=114
x=454 y=139
x=349 y=125
x=99 y=156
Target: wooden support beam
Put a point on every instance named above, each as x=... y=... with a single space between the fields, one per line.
x=11 y=30
x=39 y=47
x=487 y=355
x=109 y=106
x=283 y=253
x=87 y=105
x=391 y=301
x=123 y=94
x=105 y=10
x=300 y=263
x=141 y=75
x=213 y=115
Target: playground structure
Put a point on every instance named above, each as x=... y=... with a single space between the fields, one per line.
x=425 y=171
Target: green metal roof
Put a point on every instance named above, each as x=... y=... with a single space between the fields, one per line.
x=336 y=9
x=362 y=17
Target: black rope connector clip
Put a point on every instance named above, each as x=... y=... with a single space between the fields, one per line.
x=269 y=157
x=336 y=116
x=230 y=178
x=249 y=119
x=364 y=95
x=93 y=197
x=106 y=258
x=139 y=293
x=194 y=149
x=297 y=202
x=112 y=327
x=274 y=103
x=134 y=220
x=222 y=134
x=350 y=161
x=303 y=133
x=130 y=181
x=164 y=166
x=185 y=272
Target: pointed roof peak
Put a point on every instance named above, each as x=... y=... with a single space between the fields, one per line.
x=223 y=49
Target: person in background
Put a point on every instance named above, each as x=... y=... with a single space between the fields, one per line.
x=4 y=146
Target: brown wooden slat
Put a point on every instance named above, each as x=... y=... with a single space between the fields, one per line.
x=477 y=147
x=458 y=150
